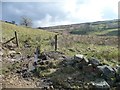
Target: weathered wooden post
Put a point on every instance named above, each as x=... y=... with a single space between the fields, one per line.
x=16 y=38
x=55 y=42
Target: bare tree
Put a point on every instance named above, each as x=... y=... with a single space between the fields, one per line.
x=25 y=21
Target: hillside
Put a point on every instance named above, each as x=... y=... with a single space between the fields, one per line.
x=101 y=28
x=73 y=66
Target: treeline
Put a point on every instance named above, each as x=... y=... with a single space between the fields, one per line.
x=10 y=22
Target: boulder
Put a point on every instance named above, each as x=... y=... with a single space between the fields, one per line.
x=99 y=84
x=108 y=73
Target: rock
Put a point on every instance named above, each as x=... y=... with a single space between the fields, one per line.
x=51 y=87
x=99 y=84
x=1 y=53
x=30 y=67
x=12 y=60
x=84 y=61
x=11 y=46
x=26 y=74
x=118 y=86
x=43 y=56
x=107 y=73
x=27 y=44
x=117 y=73
x=56 y=55
x=118 y=70
x=94 y=62
x=78 y=57
x=12 y=53
x=41 y=63
x=81 y=58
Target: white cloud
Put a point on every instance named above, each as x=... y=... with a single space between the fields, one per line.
x=48 y=21
x=87 y=11
x=91 y=10
x=71 y=11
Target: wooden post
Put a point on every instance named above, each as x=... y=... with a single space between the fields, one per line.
x=55 y=42
x=9 y=40
x=16 y=38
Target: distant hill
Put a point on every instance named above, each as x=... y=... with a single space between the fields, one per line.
x=100 y=28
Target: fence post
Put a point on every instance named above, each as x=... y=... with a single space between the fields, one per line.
x=16 y=38
x=55 y=42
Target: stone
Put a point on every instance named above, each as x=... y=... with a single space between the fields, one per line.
x=55 y=55
x=84 y=61
x=12 y=52
x=11 y=46
x=118 y=69
x=108 y=73
x=99 y=84
x=51 y=87
x=117 y=73
x=1 y=53
x=43 y=56
x=118 y=85
x=78 y=57
x=94 y=62
x=41 y=63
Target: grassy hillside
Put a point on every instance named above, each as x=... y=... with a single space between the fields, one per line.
x=61 y=72
x=33 y=37
x=104 y=48
x=100 y=28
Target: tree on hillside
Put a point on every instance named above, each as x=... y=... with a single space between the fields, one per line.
x=25 y=21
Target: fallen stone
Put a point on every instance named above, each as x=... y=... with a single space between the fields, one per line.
x=78 y=57
x=94 y=62
x=107 y=73
x=84 y=61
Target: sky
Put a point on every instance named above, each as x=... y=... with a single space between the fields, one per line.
x=46 y=13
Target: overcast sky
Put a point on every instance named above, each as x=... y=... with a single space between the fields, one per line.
x=59 y=12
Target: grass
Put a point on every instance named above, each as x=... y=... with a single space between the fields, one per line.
x=113 y=32
x=104 y=48
x=34 y=37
